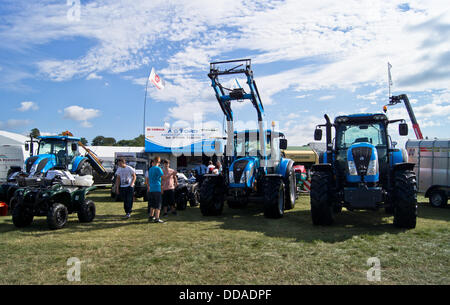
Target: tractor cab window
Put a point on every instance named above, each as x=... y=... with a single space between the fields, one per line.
x=248 y=144
x=51 y=147
x=348 y=134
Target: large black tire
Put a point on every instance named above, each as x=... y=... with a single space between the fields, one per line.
x=405 y=199
x=21 y=216
x=12 y=203
x=274 y=198
x=57 y=216
x=211 y=197
x=86 y=213
x=291 y=190
x=438 y=199
x=85 y=169
x=321 y=199
x=181 y=204
x=11 y=171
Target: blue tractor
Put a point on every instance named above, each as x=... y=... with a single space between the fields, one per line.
x=254 y=169
x=62 y=152
x=362 y=170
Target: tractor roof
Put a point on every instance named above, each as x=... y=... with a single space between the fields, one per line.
x=360 y=118
x=63 y=138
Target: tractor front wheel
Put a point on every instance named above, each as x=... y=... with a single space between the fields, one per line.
x=321 y=199
x=274 y=198
x=85 y=169
x=405 y=199
x=291 y=190
x=211 y=197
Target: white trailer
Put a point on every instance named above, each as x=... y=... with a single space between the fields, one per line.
x=432 y=159
x=11 y=156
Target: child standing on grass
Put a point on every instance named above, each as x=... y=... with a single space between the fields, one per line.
x=169 y=183
x=155 y=195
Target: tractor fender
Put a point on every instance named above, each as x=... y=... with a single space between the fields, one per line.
x=79 y=196
x=285 y=167
x=77 y=161
x=398 y=156
x=403 y=166
x=325 y=167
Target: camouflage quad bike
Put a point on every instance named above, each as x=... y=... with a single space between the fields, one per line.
x=54 y=201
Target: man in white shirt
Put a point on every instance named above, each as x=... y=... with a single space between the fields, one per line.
x=125 y=179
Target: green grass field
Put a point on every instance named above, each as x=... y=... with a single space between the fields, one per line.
x=239 y=247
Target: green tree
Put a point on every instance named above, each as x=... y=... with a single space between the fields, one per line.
x=138 y=141
x=84 y=141
x=35 y=133
x=103 y=141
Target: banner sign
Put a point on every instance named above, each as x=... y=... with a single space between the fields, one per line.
x=182 y=140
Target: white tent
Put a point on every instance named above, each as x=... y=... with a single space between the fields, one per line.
x=9 y=138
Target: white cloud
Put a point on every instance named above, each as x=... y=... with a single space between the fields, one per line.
x=28 y=105
x=93 y=75
x=326 y=97
x=80 y=114
x=14 y=123
x=346 y=44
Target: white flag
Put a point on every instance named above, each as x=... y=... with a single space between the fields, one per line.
x=156 y=80
x=389 y=74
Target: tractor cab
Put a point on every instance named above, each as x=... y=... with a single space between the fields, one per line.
x=64 y=148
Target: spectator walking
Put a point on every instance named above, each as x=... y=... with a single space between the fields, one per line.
x=125 y=179
x=169 y=183
x=218 y=169
x=155 y=193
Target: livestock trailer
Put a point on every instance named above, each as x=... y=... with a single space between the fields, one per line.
x=431 y=158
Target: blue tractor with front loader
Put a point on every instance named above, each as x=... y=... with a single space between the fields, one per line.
x=254 y=169
x=362 y=170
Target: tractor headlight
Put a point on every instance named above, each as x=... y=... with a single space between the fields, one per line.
x=372 y=168
x=244 y=177
x=352 y=168
x=231 y=176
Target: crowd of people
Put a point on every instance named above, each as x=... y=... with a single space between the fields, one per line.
x=161 y=184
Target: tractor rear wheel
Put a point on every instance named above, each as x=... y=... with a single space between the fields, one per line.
x=405 y=199
x=274 y=198
x=321 y=199
x=291 y=190
x=211 y=197
x=85 y=169
x=57 y=216
x=86 y=213
x=21 y=216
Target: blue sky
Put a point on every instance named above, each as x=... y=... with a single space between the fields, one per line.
x=82 y=65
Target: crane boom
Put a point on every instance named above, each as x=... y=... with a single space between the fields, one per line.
x=396 y=99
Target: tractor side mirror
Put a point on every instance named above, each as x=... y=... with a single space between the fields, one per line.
x=74 y=147
x=318 y=134
x=27 y=147
x=283 y=143
x=403 y=129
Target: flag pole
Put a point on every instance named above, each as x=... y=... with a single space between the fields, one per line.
x=145 y=103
